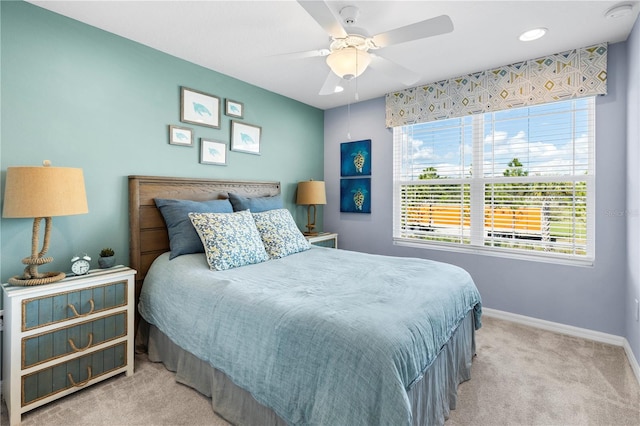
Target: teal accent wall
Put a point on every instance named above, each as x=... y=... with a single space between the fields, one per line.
x=82 y=97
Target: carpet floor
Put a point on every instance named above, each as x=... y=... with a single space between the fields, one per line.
x=521 y=376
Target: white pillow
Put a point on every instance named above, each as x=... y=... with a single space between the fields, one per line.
x=280 y=234
x=230 y=240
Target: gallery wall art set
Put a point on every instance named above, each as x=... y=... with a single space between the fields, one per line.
x=204 y=109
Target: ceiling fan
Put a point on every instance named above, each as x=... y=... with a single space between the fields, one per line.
x=350 y=52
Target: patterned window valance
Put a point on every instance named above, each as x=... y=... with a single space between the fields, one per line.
x=572 y=74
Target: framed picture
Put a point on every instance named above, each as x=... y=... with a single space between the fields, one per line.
x=355 y=195
x=213 y=152
x=233 y=108
x=180 y=136
x=199 y=108
x=245 y=137
x=355 y=158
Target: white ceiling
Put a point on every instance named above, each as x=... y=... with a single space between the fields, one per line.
x=247 y=39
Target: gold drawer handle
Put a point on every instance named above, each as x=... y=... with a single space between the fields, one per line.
x=80 y=384
x=75 y=349
x=73 y=308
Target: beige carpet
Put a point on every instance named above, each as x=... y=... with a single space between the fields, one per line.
x=521 y=376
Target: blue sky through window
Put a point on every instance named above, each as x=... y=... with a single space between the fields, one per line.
x=548 y=139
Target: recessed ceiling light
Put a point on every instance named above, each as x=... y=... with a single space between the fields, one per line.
x=533 y=34
x=338 y=89
x=619 y=11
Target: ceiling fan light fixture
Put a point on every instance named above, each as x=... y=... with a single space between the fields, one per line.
x=349 y=62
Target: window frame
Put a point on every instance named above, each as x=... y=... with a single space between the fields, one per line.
x=478 y=182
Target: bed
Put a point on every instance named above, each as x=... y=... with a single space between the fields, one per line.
x=316 y=336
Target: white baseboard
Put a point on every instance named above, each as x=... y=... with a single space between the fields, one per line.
x=570 y=331
x=632 y=360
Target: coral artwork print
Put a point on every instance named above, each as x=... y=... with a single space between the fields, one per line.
x=355 y=158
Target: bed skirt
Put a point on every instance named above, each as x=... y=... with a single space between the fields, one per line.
x=431 y=397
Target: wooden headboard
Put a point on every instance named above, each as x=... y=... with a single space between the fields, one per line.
x=148 y=237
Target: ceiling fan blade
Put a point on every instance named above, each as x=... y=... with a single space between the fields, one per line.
x=330 y=84
x=303 y=55
x=392 y=69
x=431 y=27
x=324 y=17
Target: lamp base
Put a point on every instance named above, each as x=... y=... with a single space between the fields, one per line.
x=45 y=278
x=31 y=276
x=311 y=224
x=310 y=234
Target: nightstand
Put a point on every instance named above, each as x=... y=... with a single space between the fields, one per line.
x=62 y=337
x=322 y=238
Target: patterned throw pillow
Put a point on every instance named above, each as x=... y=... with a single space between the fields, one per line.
x=230 y=239
x=279 y=233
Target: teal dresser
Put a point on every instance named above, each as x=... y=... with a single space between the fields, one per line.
x=62 y=337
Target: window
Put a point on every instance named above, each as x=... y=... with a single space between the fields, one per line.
x=513 y=182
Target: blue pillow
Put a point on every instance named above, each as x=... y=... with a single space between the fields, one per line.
x=183 y=238
x=255 y=204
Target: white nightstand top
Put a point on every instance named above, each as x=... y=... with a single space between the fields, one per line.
x=323 y=236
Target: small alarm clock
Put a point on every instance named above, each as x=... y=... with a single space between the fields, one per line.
x=80 y=264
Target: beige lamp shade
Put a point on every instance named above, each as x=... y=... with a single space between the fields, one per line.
x=44 y=192
x=311 y=192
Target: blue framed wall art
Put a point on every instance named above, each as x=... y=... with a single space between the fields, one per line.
x=355 y=195
x=355 y=158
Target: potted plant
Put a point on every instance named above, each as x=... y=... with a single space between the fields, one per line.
x=107 y=258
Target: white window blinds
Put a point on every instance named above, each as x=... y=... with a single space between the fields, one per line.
x=518 y=181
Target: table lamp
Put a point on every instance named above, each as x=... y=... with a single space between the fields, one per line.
x=311 y=193
x=40 y=193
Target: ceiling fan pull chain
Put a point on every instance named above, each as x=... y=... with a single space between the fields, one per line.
x=356 y=95
x=349 y=115
x=349 y=120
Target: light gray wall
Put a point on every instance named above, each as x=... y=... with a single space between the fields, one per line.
x=587 y=297
x=633 y=190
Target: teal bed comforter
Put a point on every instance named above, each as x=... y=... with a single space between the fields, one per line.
x=322 y=337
